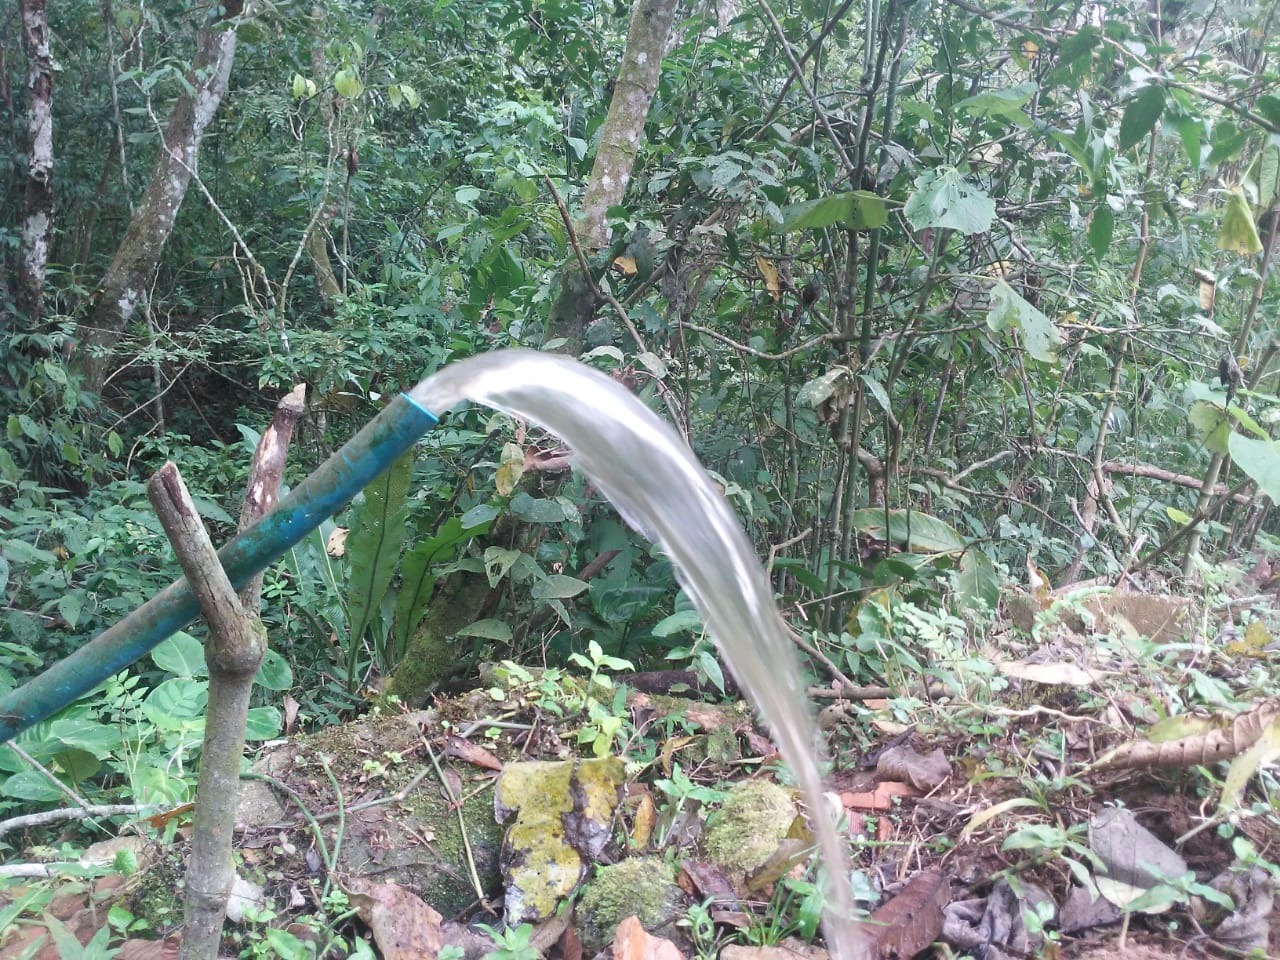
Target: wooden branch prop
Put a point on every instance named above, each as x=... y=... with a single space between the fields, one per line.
x=233 y=652
x=265 y=474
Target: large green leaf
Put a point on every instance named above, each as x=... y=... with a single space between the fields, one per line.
x=1101 y=228
x=859 y=209
x=942 y=198
x=417 y=576
x=181 y=654
x=1260 y=459
x=558 y=587
x=1040 y=335
x=1140 y=116
x=1212 y=423
x=373 y=548
x=977 y=582
x=916 y=531
x=995 y=103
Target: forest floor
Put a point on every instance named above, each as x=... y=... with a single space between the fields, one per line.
x=1096 y=780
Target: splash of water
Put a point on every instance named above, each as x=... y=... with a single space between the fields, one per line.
x=652 y=478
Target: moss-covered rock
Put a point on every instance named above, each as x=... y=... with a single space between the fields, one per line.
x=644 y=887
x=562 y=814
x=745 y=832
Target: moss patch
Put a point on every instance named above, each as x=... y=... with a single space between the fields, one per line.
x=746 y=830
x=642 y=886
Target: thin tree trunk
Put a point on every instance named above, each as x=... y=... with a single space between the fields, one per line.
x=37 y=226
x=620 y=140
x=123 y=289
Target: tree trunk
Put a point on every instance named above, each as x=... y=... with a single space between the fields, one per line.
x=429 y=655
x=123 y=289
x=37 y=226
x=620 y=140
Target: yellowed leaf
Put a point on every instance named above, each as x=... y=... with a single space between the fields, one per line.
x=510 y=469
x=625 y=266
x=336 y=545
x=772 y=281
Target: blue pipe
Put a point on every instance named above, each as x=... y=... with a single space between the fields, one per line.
x=332 y=484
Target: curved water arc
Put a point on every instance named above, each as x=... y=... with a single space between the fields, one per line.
x=652 y=478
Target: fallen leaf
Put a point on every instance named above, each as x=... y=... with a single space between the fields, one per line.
x=1059 y=674
x=924 y=771
x=646 y=818
x=404 y=927
x=631 y=942
x=912 y=920
x=475 y=755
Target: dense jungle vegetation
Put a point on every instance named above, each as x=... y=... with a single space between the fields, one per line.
x=947 y=296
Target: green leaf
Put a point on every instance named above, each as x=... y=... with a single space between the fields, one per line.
x=678 y=622
x=32 y=787
x=1180 y=517
x=487 y=630
x=373 y=549
x=348 y=83
x=994 y=103
x=274 y=673
x=858 y=209
x=417 y=577
x=1239 y=233
x=1101 y=229
x=181 y=654
x=558 y=587
x=539 y=511
x=177 y=703
x=262 y=723
x=70 y=604
x=1140 y=116
x=977 y=582
x=1260 y=459
x=1269 y=106
x=1191 y=132
x=1212 y=423
x=917 y=531
x=1040 y=335
x=941 y=198
x=1264 y=175
x=497 y=561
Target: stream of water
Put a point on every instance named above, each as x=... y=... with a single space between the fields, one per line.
x=650 y=475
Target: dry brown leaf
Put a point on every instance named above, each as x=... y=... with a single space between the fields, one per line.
x=336 y=545
x=625 y=266
x=645 y=820
x=475 y=755
x=1238 y=735
x=404 y=927
x=631 y=942
x=912 y=920
x=924 y=771
x=1060 y=674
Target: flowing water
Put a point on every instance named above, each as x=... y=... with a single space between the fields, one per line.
x=650 y=475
